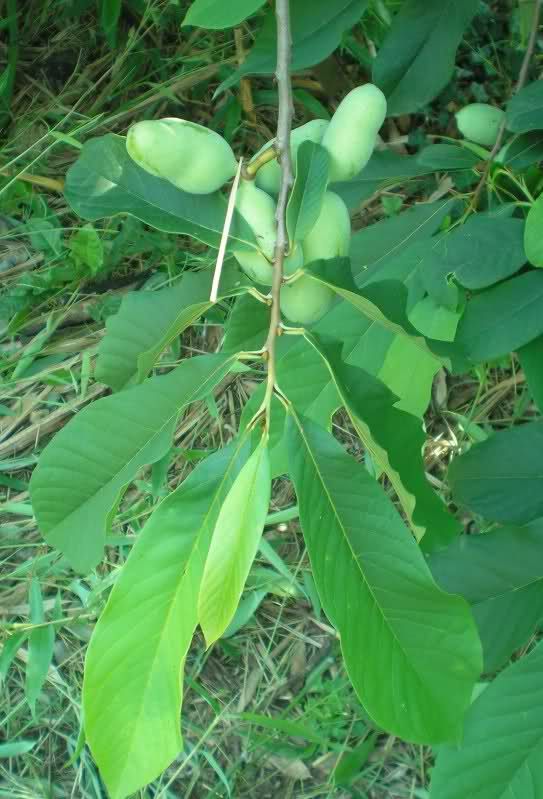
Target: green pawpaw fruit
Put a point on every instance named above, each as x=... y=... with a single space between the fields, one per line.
x=330 y=237
x=268 y=176
x=258 y=210
x=480 y=123
x=352 y=132
x=258 y=268
x=193 y=158
x=304 y=301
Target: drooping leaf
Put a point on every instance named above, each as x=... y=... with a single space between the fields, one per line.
x=447 y=157
x=395 y=440
x=502 y=478
x=383 y=302
x=416 y=60
x=305 y=200
x=503 y=318
x=531 y=360
x=316 y=26
x=247 y=325
x=532 y=233
x=147 y=322
x=132 y=688
x=502 y=750
x=523 y=151
x=216 y=14
x=386 y=168
x=105 y=181
x=411 y=650
x=525 y=109
x=83 y=472
x=478 y=254
x=234 y=544
x=41 y=640
x=501 y=575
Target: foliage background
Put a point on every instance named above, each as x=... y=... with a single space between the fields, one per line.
x=269 y=712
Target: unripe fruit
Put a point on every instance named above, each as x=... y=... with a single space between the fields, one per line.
x=304 y=301
x=259 y=269
x=351 y=135
x=193 y=158
x=480 y=123
x=258 y=210
x=268 y=176
x=330 y=237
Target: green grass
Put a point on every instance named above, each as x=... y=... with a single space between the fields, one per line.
x=268 y=712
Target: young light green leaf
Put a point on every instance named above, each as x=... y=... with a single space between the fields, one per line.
x=41 y=640
x=305 y=200
x=502 y=749
x=147 y=322
x=416 y=60
x=502 y=478
x=234 y=544
x=105 y=181
x=132 y=689
x=501 y=576
x=384 y=302
x=84 y=471
x=411 y=650
x=395 y=440
x=216 y=14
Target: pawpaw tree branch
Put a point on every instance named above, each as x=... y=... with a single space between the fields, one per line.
x=523 y=74
x=282 y=145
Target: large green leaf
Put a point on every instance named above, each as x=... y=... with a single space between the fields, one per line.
x=410 y=649
x=502 y=478
x=317 y=27
x=501 y=756
x=500 y=573
x=217 y=14
x=132 y=688
x=105 y=181
x=503 y=318
x=82 y=473
x=395 y=440
x=522 y=151
x=525 y=109
x=483 y=251
x=234 y=544
x=532 y=234
x=385 y=168
x=531 y=360
x=305 y=201
x=148 y=321
x=416 y=60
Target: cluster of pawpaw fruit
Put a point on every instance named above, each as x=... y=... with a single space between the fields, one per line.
x=200 y=161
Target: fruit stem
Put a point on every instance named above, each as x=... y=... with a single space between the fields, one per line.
x=269 y=154
x=284 y=124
